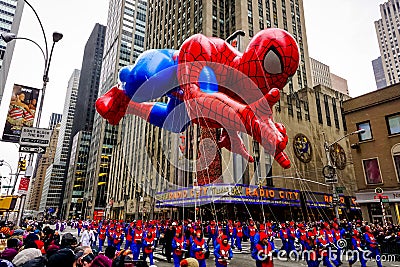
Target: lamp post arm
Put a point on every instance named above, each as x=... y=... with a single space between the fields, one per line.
x=355 y=132
x=341 y=138
x=41 y=26
x=41 y=49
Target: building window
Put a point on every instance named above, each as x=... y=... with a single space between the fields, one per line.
x=327 y=112
x=319 y=112
x=367 y=135
x=396 y=160
x=393 y=123
x=372 y=171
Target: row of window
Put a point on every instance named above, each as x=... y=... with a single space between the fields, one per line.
x=392 y=123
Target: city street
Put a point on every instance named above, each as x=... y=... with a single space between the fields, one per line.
x=242 y=259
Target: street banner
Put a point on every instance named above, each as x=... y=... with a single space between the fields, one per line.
x=23 y=186
x=21 y=112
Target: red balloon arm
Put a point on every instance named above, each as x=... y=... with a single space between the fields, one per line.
x=114 y=104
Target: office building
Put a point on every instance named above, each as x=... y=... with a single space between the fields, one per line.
x=54 y=180
x=124 y=42
x=379 y=73
x=11 y=11
x=55 y=119
x=76 y=176
x=44 y=161
x=376 y=153
x=321 y=75
x=174 y=21
x=388 y=38
x=82 y=126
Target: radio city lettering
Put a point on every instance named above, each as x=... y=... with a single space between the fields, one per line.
x=270 y=193
x=330 y=198
x=230 y=192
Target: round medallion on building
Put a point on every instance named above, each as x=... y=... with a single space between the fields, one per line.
x=302 y=148
x=338 y=156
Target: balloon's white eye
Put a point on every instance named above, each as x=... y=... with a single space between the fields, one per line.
x=272 y=62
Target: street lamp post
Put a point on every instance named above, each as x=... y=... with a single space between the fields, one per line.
x=327 y=148
x=5 y=163
x=8 y=37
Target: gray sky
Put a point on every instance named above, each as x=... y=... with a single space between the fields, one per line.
x=340 y=34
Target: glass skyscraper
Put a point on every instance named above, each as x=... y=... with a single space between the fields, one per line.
x=11 y=12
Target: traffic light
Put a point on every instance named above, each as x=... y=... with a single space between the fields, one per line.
x=22 y=164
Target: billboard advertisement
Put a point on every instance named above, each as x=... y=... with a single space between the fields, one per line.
x=21 y=112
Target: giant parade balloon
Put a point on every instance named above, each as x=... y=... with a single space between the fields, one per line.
x=210 y=83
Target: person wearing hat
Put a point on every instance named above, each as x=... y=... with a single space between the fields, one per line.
x=26 y=255
x=251 y=231
x=148 y=247
x=263 y=251
x=310 y=246
x=270 y=231
x=110 y=235
x=80 y=226
x=189 y=239
x=323 y=246
x=238 y=234
x=128 y=235
x=11 y=249
x=102 y=236
x=222 y=253
x=301 y=235
x=178 y=246
x=168 y=236
x=229 y=232
x=199 y=248
x=357 y=246
x=137 y=240
x=101 y=261
x=292 y=236
x=212 y=230
x=372 y=245
x=118 y=238
x=68 y=241
x=284 y=236
x=189 y=262
x=337 y=235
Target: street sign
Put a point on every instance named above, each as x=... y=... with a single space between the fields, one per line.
x=36 y=137
x=385 y=200
x=32 y=149
x=380 y=196
x=331 y=181
x=339 y=190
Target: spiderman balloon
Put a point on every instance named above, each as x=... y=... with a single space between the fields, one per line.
x=210 y=83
